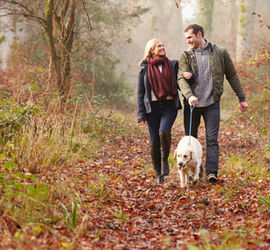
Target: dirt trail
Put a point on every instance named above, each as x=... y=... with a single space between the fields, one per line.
x=138 y=213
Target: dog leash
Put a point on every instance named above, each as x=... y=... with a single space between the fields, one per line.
x=190 y=121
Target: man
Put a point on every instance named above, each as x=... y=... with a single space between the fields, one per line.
x=208 y=63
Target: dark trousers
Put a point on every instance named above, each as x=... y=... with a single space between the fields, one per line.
x=211 y=117
x=161 y=118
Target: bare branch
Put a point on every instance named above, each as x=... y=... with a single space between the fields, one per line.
x=38 y=19
x=20 y=5
x=19 y=9
x=88 y=18
x=65 y=9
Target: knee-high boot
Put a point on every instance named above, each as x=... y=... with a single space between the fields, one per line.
x=165 y=138
x=156 y=160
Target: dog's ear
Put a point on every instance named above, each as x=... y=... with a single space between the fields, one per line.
x=175 y=155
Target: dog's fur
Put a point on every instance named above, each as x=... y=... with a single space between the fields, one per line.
x=189 y=159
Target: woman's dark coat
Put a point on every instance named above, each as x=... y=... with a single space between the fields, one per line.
x=144 y=97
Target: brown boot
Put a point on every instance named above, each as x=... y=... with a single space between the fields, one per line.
x=165 y=138
x=156 y=160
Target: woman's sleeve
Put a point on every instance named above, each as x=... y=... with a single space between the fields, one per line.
x=140 y=96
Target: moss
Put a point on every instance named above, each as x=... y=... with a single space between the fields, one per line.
x=243 y=6
x=49 y=9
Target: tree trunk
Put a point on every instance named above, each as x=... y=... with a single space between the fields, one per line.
x=93 y=81
x=60 y=40
x=54 y=66
x=66 y=51
x=233 y=19
x=156 y=19
x=206 y=15
x=245 y=29
x=233 y=26
x=161 y=25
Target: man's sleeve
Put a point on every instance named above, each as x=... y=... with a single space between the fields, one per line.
x=232 y=77
x=182 y=82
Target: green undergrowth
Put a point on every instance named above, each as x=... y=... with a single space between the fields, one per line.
x=249 y=165
x=100 y=190
x=228 y=240
x=240 y=165
x=28 y=200
x=33 y=138
x=253 y=151
x=35 y=144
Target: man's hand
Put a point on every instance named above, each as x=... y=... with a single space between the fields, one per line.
x=192 y=100
x=243 y=106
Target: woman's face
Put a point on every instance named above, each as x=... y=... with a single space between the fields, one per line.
x=159 y=50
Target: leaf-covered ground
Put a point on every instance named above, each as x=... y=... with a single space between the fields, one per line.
x=122 y=207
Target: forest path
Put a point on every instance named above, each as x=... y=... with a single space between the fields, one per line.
x=127 y=210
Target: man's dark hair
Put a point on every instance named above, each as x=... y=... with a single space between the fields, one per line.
x=196 y=28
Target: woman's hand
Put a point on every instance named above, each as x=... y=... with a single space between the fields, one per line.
x=142 y=122
x=187 y=75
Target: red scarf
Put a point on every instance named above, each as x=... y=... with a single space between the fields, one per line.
x=162 y=84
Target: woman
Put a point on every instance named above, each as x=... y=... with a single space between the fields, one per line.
x=158 y=102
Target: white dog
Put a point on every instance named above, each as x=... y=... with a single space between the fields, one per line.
x=189 y=159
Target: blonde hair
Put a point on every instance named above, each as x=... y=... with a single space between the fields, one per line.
x=149 y=47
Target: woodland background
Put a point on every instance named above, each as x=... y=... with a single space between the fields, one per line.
x=75 y=170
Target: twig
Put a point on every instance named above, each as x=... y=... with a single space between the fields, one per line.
x=257 y=127
x=89 y=104
x=88 y=18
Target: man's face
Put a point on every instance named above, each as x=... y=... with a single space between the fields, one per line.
x=193 y=40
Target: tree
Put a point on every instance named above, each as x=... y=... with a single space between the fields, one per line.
x=233 y=18
x=71 y=40
x=245 y=29
x=206 y=15
x=57 y=19
x=167 y=24
x=59 y=27
x=99 y=53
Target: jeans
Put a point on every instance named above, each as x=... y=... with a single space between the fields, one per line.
x=211 y=116
x=161 y=118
